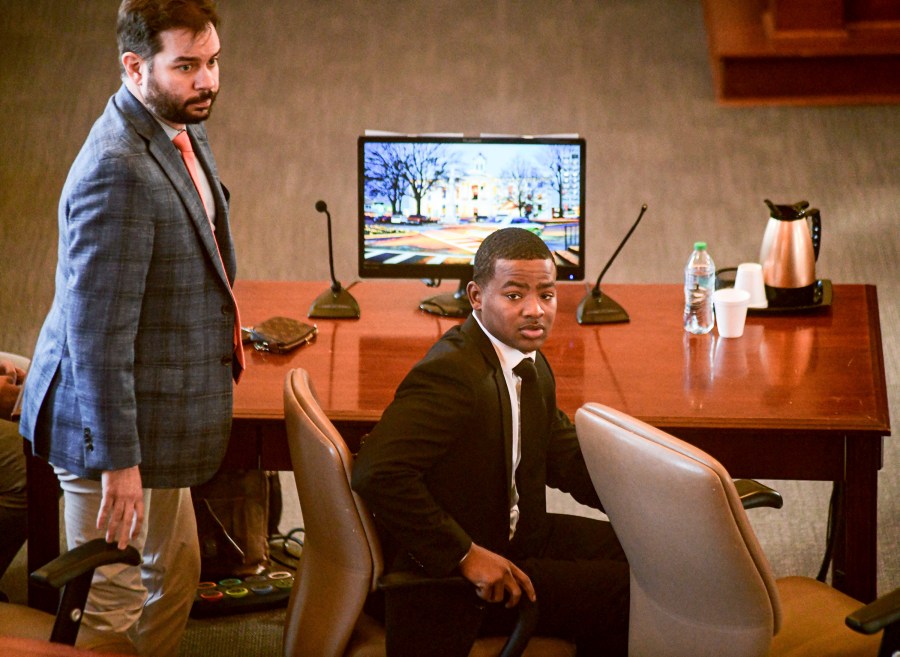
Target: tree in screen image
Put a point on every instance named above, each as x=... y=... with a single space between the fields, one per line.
x=396 y=170
x=384 y=174
x=523 y=177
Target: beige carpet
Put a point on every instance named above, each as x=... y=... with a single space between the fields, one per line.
x=301 y=80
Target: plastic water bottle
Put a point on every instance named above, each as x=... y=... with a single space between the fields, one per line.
x=699 y=284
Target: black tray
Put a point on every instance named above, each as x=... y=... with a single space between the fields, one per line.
x=822 y=295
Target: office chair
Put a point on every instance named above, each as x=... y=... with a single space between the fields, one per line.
x=341 y=562
x=72 y=572
x=700 y=582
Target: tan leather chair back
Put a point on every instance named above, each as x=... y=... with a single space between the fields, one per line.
x=341 y=558
x=700 y=582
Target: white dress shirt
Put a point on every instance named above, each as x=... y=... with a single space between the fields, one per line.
x=509 y=358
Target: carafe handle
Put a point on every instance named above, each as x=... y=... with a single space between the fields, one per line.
x=813 y=214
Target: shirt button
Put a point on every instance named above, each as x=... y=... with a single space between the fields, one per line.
x=226 y=309
x=226 y=360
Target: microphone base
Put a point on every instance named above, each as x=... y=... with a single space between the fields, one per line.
x=330 y=305
x=600 y=310
x=447 y=305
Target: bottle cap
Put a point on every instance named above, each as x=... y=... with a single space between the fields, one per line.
x=699 y=246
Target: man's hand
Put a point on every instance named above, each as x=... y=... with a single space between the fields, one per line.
x=495 y=576
x=11 y=378
x=122 y=505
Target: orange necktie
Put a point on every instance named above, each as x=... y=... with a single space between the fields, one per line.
x=183 y=143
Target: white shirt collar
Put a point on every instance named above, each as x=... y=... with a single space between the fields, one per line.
x=509 y=356
x=170 y=131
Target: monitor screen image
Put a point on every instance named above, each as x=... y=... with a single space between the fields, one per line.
x=426 y=203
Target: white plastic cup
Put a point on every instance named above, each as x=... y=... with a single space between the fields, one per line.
x=731 y=311
x=749 y=277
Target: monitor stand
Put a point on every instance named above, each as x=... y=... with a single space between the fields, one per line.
x=449 y=305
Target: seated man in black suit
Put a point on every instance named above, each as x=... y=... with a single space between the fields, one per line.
x=455 y=474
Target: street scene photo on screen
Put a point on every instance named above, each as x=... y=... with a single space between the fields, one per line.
x=426 y=204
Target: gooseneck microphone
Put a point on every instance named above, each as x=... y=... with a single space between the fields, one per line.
x=335 y=283
x=335 y=302
x=595 y=307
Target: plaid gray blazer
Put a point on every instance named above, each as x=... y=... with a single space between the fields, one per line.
x=133 y=364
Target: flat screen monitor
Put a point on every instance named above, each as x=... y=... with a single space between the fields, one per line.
x=426 y=203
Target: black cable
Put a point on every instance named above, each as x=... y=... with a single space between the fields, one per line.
x=833 y=529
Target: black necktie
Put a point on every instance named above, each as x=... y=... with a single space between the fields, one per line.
x=531 y=419
x=531 y=406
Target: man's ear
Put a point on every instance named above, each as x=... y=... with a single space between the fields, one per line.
x=473 y=291
x=133 y=64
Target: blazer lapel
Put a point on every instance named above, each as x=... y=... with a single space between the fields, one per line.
x=169 y=159
x=506 y=412
x=220 y=196
x=472 y=328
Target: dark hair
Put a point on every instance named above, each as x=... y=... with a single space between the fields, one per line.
x=141 y=21
x=507 y=244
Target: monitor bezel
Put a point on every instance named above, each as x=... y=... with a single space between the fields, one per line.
x=445 y=271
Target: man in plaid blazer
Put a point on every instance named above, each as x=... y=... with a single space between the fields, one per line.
x=129 y=395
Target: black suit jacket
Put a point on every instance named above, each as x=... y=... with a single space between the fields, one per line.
x=435 y=471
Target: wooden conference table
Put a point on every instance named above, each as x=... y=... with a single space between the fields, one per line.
x=798 y=396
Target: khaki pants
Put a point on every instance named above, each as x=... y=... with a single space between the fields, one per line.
x=150 y=603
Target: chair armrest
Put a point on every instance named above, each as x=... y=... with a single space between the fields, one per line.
x=406 y=579
x=877 y=615
x=755 y=495
x=85 y=558
x=528 y=611
x=73 y=572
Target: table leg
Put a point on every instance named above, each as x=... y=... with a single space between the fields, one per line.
x=43 y=527
x=856 y=551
